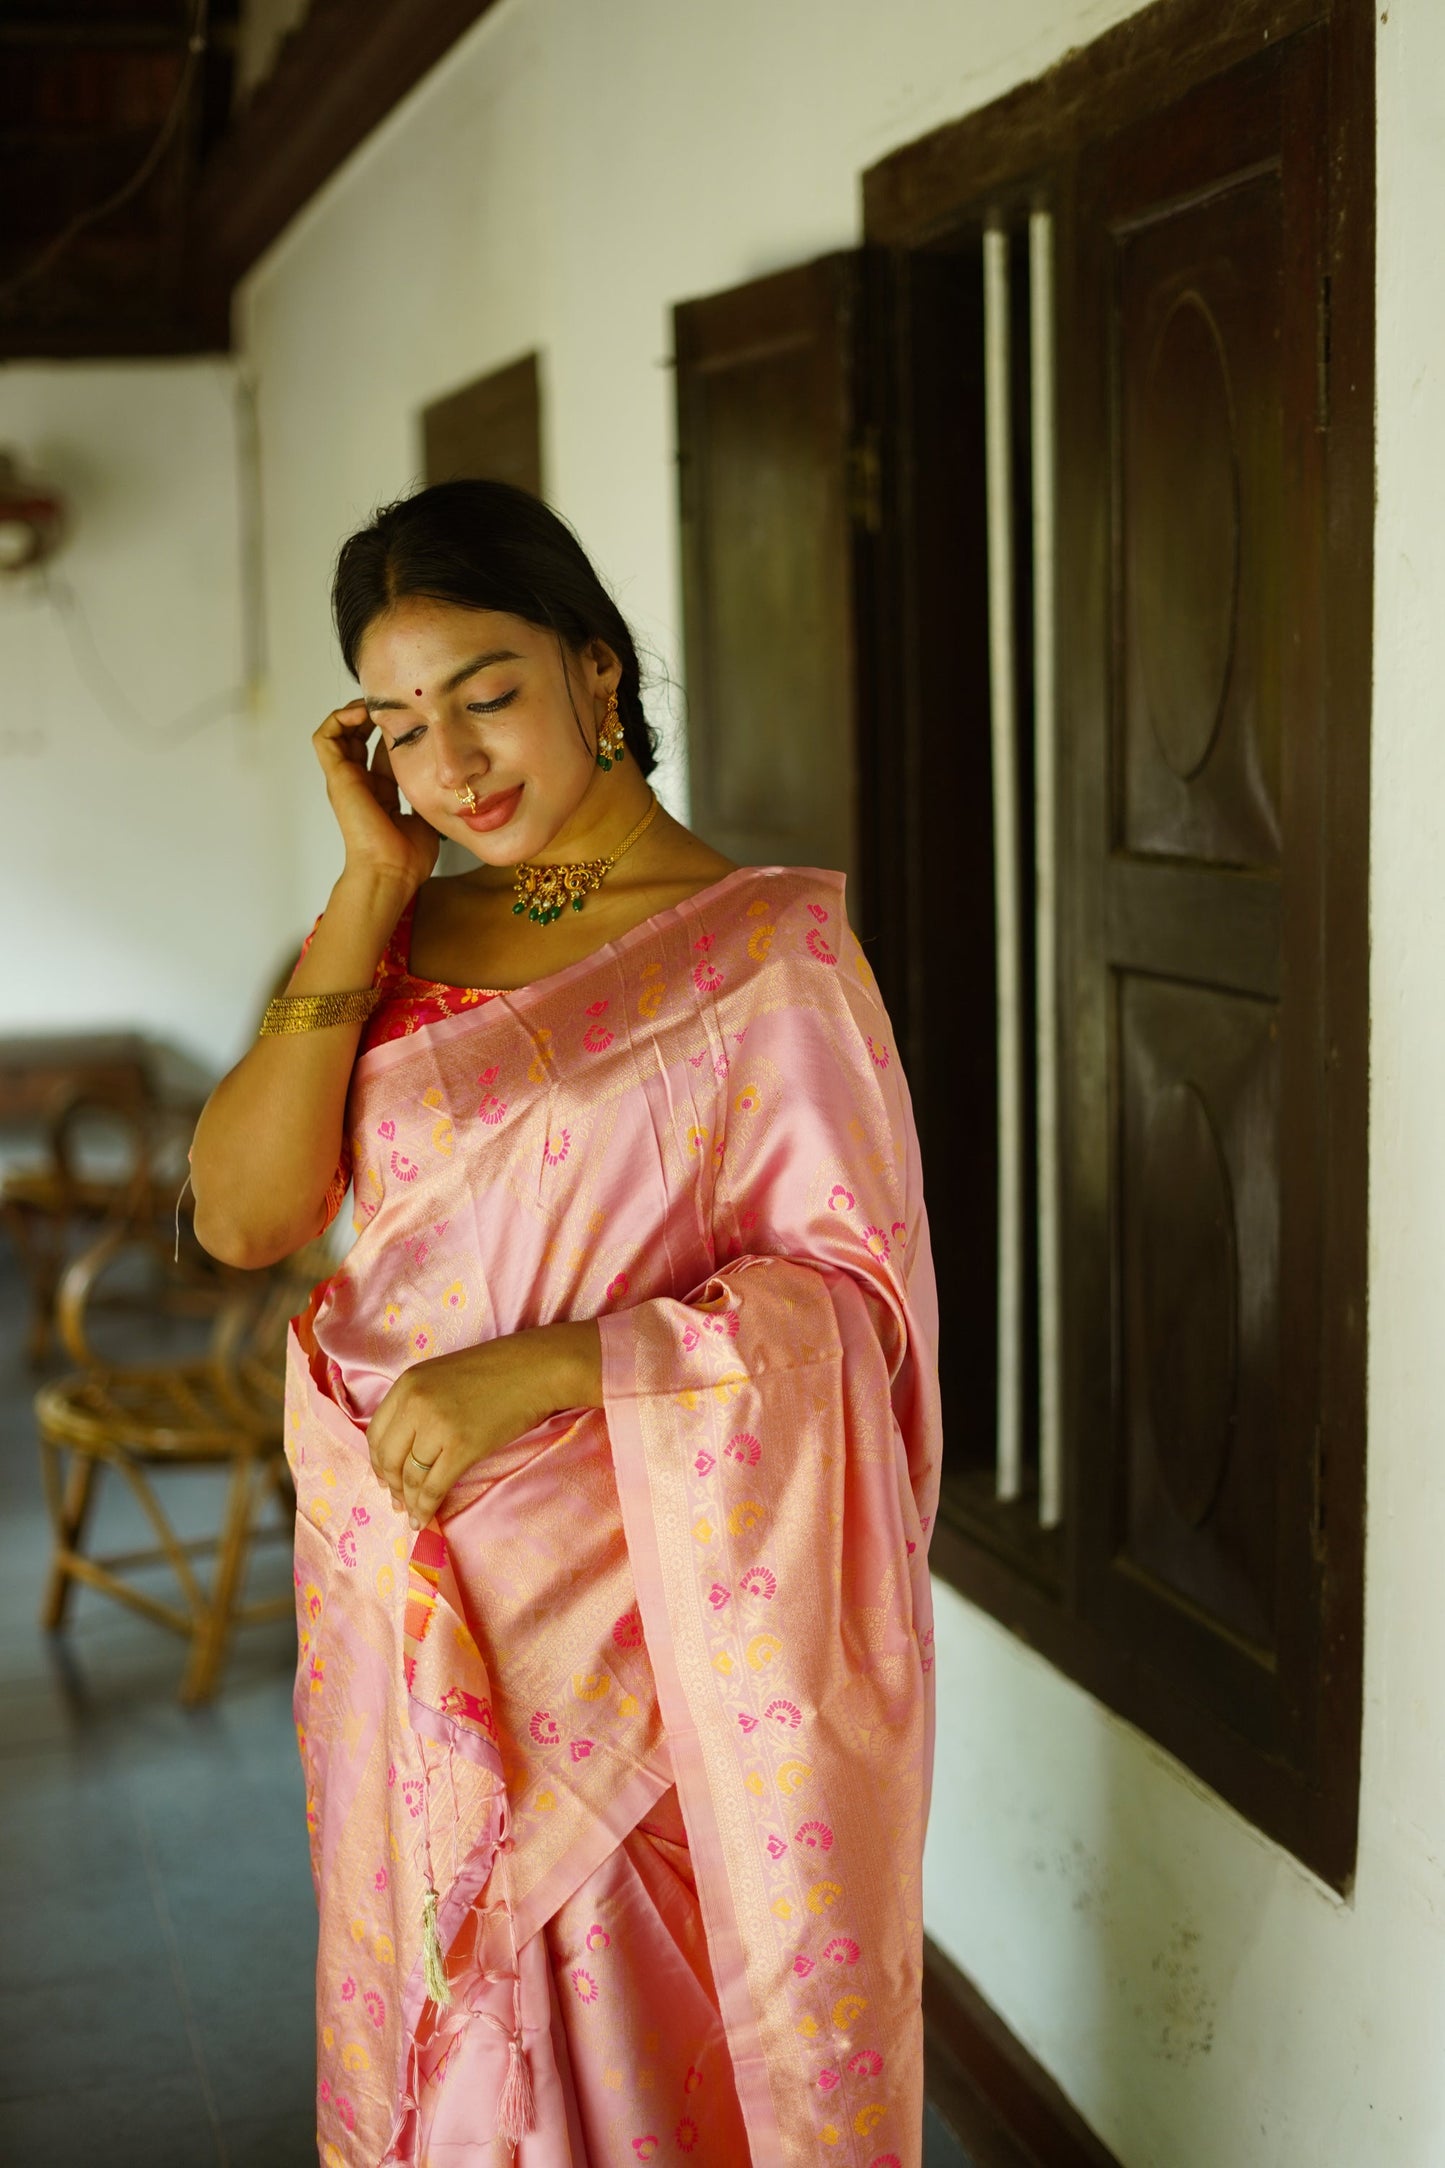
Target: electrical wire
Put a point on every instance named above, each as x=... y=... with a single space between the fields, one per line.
x=108 y=693
x=56 y=248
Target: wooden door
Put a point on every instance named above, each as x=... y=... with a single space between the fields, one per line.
x=490 y=430
x=775 y=483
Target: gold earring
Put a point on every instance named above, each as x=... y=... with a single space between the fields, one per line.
x=611 y=740
x=467 y=795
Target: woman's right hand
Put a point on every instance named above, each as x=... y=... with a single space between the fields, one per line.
x=379 y=837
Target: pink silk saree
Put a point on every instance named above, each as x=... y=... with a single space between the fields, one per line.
x=649 y=1706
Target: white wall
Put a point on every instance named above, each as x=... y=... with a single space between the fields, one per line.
x=560 y=181
x=138 y=872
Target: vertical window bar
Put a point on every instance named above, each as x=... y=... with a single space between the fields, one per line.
x=1008 y=966
x=1046 y=1015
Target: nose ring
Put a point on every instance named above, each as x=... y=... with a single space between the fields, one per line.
x=467 y=795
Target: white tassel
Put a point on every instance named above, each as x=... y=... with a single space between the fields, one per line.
x=433 y=1964
x=517 y=2108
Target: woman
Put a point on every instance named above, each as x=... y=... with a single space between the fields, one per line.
x=615 y=1436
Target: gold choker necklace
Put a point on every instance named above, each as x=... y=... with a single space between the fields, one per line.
x=544 y=892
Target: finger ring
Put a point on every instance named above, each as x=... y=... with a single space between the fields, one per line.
x=421 y=1463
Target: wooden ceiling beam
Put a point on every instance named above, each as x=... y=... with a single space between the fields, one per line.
x=339 y=74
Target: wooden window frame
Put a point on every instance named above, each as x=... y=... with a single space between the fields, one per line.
x=919 y=199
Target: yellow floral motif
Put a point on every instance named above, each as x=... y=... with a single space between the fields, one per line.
x=354 y=2056
x=760 y=940
x=328 y=2036
x=847 y=2010
x=358 y=1930
x=762 y=1649
x=792 y=1775
x=464 y=1641
x=649 y=1001
x=782 y=1909
x=456 y=1296
x=385 y=1580
x=537 y=1074
x=754 y=1783
x=724 y=1664
x=591 y=1685
x=727 y=1388
x=808 y=2027
x=391 y=1317
x=399 y=1547
x=748 y=1100
x=696 y=1139
x=332 y=2158
x=544 y=1803
x=824 y=1894
x=627 y=1706
x=395 y=1850
x=328 y=1477
x=745 y=1515
x=703 y=1531
x=867 y=2119
x=383 y=1950
x=830 y=2134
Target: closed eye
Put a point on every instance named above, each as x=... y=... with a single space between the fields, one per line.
x=490 y=707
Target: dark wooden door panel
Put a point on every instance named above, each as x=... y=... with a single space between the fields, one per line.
x=1201 y=447
x=765 y=378
x=1193 y=1101
x=489 y=431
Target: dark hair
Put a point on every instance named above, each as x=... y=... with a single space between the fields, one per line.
x=487 y=546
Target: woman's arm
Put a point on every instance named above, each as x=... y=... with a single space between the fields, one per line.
x=268 y=1143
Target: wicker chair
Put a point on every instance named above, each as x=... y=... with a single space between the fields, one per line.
x=219 y=1409
x=44 y=1205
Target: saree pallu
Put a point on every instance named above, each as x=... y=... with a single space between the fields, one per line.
x=649 y=1706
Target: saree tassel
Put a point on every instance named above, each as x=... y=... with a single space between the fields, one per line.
x=517 y=2108
x=438 y=1986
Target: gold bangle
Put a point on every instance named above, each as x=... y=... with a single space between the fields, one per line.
x=314 y=1012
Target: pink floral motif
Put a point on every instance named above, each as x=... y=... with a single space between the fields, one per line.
x=776 y=1846
x=899 y=1232
x=686 y=2135
x=584 y=1984
x=749 y=1723
x=617 y=1289
x=405 y=1170
x=827 y=2079
x=802 y=1966
x=693 y=2079
x=717 y=1596
x=786 y=1713
x=743 y=1446
x=543 y=1728
x=379 y=1879
x=421 y=1340
x=706 y=942
x=706 y=977
x=816 y=911
x=627 y=1630
x=346 y=1548
x=885 y=2160
x=760 y=1581
x=323 y=2090
x=819 y=948
x=387 y=1130
x=876 y=1242
x=348 y=1989
x=361 y=1517
x=489 y=1076
x=816 y=1835
x=645 y=2147
x=704 y=1463
x=842 y=1950
x=840 y=1199
x=727 y=1324
x=555 y=1149
x=375 y=2008
x=597 y=1038
x=345 y=2110
x=596 y=1008
x=748 y=1100
x=866 y=2063
x=492 y=1110
x=411 y=1792
x=598 y=1937
x=581 y=1748
x=879 y=1052
x=691 y=1338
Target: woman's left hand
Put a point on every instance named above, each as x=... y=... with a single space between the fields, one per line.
x=441 y=1417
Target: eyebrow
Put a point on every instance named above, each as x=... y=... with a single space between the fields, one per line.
x=458 y=677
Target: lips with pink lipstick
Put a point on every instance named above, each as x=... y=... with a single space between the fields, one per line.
x=493 y=812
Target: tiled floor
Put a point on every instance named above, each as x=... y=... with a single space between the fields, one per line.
x=157 y=1927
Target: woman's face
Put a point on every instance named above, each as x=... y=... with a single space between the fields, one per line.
x=481 y=699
